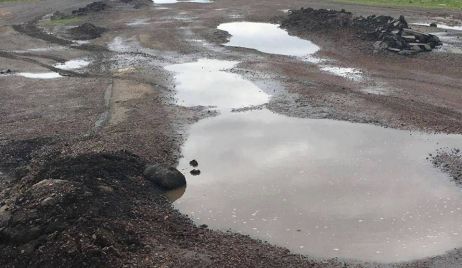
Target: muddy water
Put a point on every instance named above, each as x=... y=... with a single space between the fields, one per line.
x=267 y=38
x=319 y=187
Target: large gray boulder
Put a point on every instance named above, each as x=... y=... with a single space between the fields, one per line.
x=166 y=177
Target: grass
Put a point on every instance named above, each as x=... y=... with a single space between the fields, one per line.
x=67 y=21
x=451 y=4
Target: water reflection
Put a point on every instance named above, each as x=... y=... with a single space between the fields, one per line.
x=208 y=83
x=268 y=38
x=322 y=187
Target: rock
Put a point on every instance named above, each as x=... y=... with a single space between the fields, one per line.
x=6 y=71
x=433 y=24
x=193 y=163
x=380 y=45
x=5 y=214
x=105 y=189
x=407 y=52
x=49 y=201
x=166 y=177
x=195 y=172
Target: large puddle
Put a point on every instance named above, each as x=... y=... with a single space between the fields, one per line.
x=319 y=187
x=267 y=38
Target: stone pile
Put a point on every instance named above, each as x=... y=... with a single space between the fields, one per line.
x=93 y=7
x=388 y=33
x=395 y=35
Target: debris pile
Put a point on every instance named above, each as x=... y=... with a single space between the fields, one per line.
x=317 y=19
x=86 y=31
x=93 y=7
x=395 y=35
x=387 y=32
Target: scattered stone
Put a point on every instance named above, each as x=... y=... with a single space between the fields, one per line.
x=194 y=163
x=166 y=177
x=450 y=162
x=86 y=31
x=195 y=172
x=105 y=189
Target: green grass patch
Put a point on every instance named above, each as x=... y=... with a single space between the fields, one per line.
x=451 y=4
x=66 y=21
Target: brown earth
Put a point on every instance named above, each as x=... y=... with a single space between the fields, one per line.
x=72 y=150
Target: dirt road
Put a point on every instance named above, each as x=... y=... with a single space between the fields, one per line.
x=72 y=148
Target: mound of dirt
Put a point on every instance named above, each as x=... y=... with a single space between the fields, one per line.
x=86 y=31
x=93 y=7
x=68 y=210
x=387 y=32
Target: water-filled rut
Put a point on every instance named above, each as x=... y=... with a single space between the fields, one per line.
x=319 y=187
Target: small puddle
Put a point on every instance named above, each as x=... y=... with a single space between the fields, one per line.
x=349 y=73
x=73 y=64
x=48 y=75
x=319 y=187
x=267 y=38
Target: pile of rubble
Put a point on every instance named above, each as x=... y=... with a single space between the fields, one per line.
x=317 y=19
x=93 y=7
x=387 y=32
x=395 y=35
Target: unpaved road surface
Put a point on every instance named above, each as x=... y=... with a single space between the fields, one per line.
x=72 y=148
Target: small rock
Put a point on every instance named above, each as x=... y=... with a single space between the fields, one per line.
x=194 y=163
x=195 y=172
x=49 y=201
x=5 y=214
x=166 y=177
x=105 y=189
x=433 y=24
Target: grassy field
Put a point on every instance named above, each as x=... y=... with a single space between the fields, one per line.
x=453 y=4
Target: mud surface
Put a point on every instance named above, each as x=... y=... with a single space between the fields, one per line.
x=73 y=148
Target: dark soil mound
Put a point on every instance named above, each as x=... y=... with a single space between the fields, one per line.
x=69 y=210
x=388 y=33
x=317 y=19
x=86 y=31
x=93 y=7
